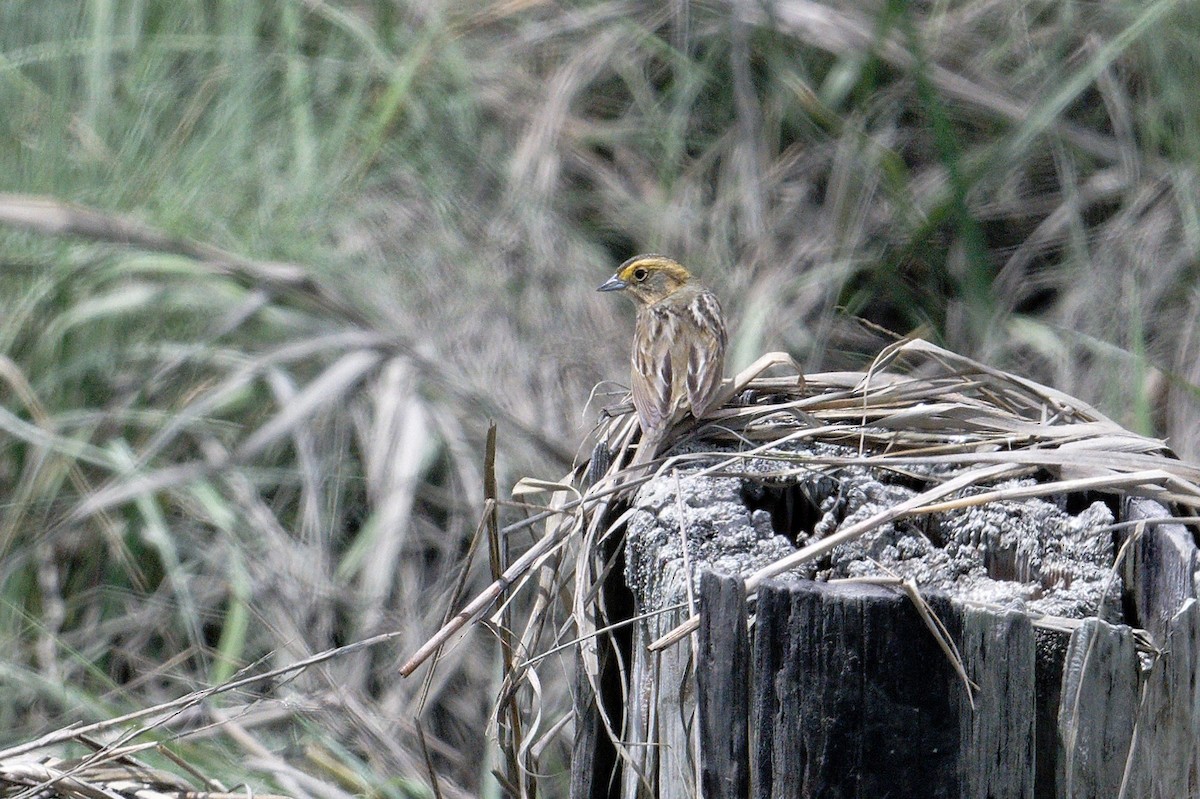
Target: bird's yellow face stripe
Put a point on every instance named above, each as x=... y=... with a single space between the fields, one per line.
x=651 y=263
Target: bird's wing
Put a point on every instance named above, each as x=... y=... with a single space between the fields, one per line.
x=652 y=373
x=706 y=352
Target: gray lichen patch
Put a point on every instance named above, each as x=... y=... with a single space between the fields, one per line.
x=1031 y=553
x=711 y=515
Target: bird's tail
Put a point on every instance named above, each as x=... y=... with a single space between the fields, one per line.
x=648 y=447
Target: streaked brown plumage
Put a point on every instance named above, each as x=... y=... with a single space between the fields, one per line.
x=678 y=344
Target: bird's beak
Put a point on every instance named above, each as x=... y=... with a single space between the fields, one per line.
x=614 y=283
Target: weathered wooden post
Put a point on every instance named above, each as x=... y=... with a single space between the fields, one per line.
x=853 y=697
x=843 y=690
x=941 y=582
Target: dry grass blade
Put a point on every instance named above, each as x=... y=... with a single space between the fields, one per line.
x=50 y=216
x=841 y=32
x=81 y=731
x=494 y=592
x=115 y=780
x=329 y=387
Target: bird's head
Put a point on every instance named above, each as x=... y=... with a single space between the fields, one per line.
x=648 y=278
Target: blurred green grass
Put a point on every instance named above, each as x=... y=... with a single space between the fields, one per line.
x=206 y=468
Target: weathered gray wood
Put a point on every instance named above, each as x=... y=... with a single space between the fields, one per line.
x=675 y=716
x=1098 y=706
x=723 y=688
x=662 y=715
x=997 y=749
x=1166 y=760
x=595 y=767
x=1051 y=656
x=768 y=652
x=854 y=698
x=637 y=735
x=589 y=739
x=679 y=526
x=1160 y=573
x=851 y=697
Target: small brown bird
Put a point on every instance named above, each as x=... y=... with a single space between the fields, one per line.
x=678 y=345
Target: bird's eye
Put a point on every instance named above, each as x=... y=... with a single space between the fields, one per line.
x=639 y=274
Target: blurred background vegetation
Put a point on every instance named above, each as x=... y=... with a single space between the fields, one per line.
x=258 y=436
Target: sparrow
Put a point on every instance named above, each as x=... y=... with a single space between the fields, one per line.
x=679 y=338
